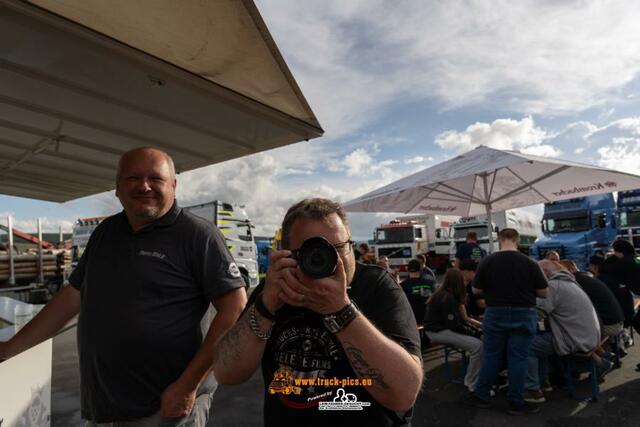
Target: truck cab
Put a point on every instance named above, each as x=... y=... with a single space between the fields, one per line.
x=82 y=230
x=526 y=223
x=629 y=217
x=237 y=229
x=400 y=241
x=577 y=228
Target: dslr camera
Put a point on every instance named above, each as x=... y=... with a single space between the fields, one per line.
x=316 y=257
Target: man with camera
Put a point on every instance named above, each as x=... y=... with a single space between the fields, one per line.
x=331 y=334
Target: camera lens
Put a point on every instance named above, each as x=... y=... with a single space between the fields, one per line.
x=317 y=258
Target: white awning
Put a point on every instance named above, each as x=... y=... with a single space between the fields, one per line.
x=82 y=81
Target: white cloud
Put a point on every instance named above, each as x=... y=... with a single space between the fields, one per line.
x=505 y=134
x=353 y=59
x=417 y=159
x=357 y=162
x=49 y=225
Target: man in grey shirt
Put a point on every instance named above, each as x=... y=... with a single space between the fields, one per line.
x=573 y=322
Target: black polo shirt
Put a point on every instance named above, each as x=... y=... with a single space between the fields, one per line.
x=143 y=296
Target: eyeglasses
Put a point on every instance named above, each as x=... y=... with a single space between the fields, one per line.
x=344 y=248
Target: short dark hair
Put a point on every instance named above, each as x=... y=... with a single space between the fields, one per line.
x=468 y=265
x=624 y=247
x=365 y=246
x=596 y=259
x=509 y=234
x=413 y=266
x=472 y=235
x=422 y=258
x=315 y=208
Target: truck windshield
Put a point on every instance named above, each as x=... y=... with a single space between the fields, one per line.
x=461 y=232
x=630 y=219
x=566 y=225
x=395 y=235
x=244 y=231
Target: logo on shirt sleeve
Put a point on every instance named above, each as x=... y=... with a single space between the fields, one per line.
x=234 y=271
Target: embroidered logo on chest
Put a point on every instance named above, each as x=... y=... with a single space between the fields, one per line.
x=154 y=254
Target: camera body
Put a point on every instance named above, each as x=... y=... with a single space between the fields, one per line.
x=316 y=257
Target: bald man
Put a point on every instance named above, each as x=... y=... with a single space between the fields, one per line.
x=142 y=288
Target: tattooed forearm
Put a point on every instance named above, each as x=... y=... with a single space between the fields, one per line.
x=361 y=367
x=228 y=349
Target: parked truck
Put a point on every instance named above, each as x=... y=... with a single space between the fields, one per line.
x=629 y=217
x=235 y=225
x=577 y=228
x=82 y=230
x=526 y=223
x=405 y=237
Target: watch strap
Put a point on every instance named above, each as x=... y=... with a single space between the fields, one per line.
x=341 y=319
x=262 y=309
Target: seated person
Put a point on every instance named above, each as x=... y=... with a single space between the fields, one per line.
x=573 y=322
x=475 y=303
x=427 y=274
x=595 y=261
x=444 y=323
x=383 y=262
x=552 y=256
x=417 y=289
x=603 y=300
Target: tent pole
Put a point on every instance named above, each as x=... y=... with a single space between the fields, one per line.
x=487 y=207
x=489 y=227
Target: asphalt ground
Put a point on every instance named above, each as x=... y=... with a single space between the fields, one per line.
x=439 y=404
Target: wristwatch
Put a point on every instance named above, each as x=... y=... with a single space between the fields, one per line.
x=339 y=320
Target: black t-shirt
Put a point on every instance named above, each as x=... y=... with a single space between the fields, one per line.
x=417 y=290
x=143 y=296
x=509 y=279
x=471 y=251
x=603 y=300
x=443 y=312
x=301 y=347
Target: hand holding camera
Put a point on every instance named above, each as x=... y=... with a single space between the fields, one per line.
x=280 y=263
x=316 y=280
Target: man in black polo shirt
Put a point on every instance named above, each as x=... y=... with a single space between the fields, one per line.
x=335 y=351
x=142 y=288
x=510 y=282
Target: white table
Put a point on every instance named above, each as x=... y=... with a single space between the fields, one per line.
x=25 y=379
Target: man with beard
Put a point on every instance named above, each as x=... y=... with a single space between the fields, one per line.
x=346 y=341
x=141 y=289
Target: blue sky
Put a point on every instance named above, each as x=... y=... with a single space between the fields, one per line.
x=400 y=86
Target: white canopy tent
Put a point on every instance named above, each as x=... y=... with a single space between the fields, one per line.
x=486 y=180
x=82 y=81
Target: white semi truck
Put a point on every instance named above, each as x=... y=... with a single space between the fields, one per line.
x=526 y=223
x=405 y=237
x=235 y=225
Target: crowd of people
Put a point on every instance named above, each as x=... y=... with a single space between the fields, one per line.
x=506 y=310
x=337 y=348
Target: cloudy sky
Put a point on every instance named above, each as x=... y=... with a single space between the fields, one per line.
x=399 y=86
